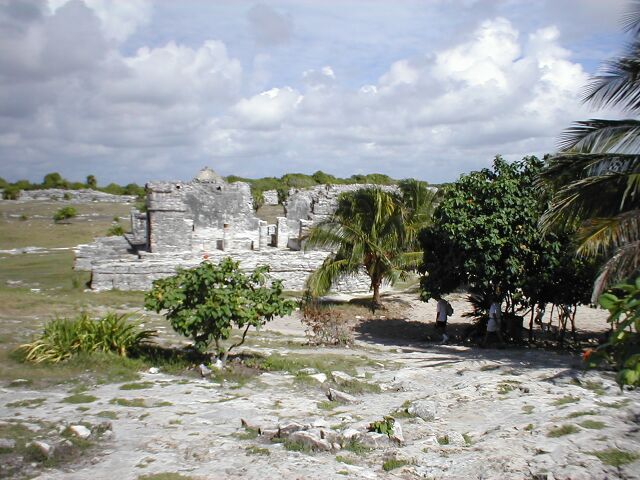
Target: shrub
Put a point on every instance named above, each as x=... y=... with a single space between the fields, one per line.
x=384 y=426
x=208 y=301
x=65 y=213
x=325 y=325
x=115 y=230
x=11 y=192
x=66 y=196
x=623 y=348
x=62 y=338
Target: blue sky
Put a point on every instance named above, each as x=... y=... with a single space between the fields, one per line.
x=142 y=90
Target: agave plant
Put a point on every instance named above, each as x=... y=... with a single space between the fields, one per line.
x=62 y=338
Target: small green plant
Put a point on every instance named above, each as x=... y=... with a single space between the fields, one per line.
x=328 y=405
x=63 y=338
x=136 y=386
x=394 y=463
x=593 y=424
x=384 y=426
x=111 y=415
x=254 y=450
x=356 y=446
x=295 y=446
x=443 y=440
x=566 y=400
x=615 y=457
x=65 y=213
x=24 y=218
x=616 y=405
x=467 y=439
x=504 y=388
x=28 y=403
x=528 y=409
x=582 y=413
x=80 y=398
x=346 y=460
x=66 y=196
x=115 y=230
x=529 y=427
x=207 y=301
x=562 y=430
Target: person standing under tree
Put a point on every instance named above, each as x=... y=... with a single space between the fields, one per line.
x=443 y=310
x=494 y=324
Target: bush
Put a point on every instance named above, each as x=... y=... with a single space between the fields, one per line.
x=208 y=301
x=11 y=192
x=63 y=338
x=65 y=213
x=325 y=325
x=115 y=230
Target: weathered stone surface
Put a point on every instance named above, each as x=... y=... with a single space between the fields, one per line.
x=287 y=429
x=341 y=377
x=397 y=434
x=204 y=370
x=319 y=377
x=423 y=409
x=270 y=197
x=80 y=431
x=7 y=444
x=310 y=441
x=341 y=397
x=456 y=439
x=43 y=448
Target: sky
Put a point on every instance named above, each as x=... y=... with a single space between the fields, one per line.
x=140 y=90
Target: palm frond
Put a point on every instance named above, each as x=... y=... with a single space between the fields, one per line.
x=320 y=281
x=618 y=83
x=599 y=235
x=623 y=263
x=631 y=19
x=602 y=136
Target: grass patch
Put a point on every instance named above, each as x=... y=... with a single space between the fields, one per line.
x=488 y=368
x=562 y=431
x=393 y=463
x=346 y=460
x=136 y=386
x=467 y=439
x=443 y=440
x=528 y=409
x=255 y=450
x=80 y=398
x=529 y=427
x=295 y=446
x=328 y=404
x=593 y=424
x=27 y=403
x=594 y=386
x=110 y=414
x=566 y=400
x=355 y=387
x=131 y=402
x=293 y=363
x=615 y=457
x=582 y=413
x=504 y=388
x=616 y=405
x=356 y=446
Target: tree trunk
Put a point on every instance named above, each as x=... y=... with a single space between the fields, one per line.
x=531 y=324
x=376 y=293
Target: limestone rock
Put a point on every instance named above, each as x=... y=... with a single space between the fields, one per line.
x=423 y=409
x=456 y=439
x=154 y=370
x=308 y=371
x=289 y=428
x=7 y=444
x=310 y=441
x=350 y=433
x=337 y=396
x=374 y=440
x=204 y=370
x=42 y=448
x=319 y=377
x=397 y=432
x=341 y=377
x=80 y=431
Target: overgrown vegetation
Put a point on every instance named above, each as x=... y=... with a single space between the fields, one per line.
x=65 y=213
x=63 y=338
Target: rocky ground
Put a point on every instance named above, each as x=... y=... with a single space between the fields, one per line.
x=459 y=412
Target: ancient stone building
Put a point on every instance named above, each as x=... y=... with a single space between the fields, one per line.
x=210 y=218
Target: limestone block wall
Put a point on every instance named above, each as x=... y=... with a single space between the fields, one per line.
x=270 y=197
x=292 y=268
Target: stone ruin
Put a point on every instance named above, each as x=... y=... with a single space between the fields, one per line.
x=187 y=222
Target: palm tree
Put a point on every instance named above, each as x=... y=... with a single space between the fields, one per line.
x=372 y=231
x=596 y=177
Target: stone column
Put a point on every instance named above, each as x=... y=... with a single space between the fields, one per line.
x=282 y=232
x=263 y=235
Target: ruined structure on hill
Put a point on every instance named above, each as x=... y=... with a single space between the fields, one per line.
x=210 y=218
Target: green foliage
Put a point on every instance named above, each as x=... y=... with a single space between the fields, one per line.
x=3 y=183
x=11 y=192
x=115 y=230
x=92 y=182
x=65 y=213
x=54 y=180
x=566 y=400
x=623 y=346
x=615 y=457
x=113 y=188
x=562 y=430
x=384 y=426
x=372 y=231
x=206 y=302
x=80 y=398
x=484 y=235
x=63 y=338
x=394 y=463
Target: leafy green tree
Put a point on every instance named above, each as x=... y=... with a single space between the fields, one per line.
x=595 y=178
x=11 y=192
x=114 y=189
x=92 y=182
x=64 y=213
x=206 y=302
x=3 y=183
x=372 y=231
x=324 y=178
x=54 y=180
x=623 y=347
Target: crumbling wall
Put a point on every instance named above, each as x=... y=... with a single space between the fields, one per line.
x=74 y=196
x=270 y=197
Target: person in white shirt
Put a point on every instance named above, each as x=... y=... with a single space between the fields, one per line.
x=494 y=323
x=443 y=310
